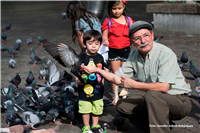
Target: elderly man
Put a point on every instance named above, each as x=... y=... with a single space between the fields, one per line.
x=156 y=67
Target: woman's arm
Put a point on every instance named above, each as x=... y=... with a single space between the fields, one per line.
x=105 y=37
x=80 y=40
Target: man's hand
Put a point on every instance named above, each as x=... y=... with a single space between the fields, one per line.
x=127 y=83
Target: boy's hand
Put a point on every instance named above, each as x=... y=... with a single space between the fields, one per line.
x=106 y=69
x=90 y=69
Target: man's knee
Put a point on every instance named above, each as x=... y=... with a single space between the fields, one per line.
x=119 y=105
x=151 y=94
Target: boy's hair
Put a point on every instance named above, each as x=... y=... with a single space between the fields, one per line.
x=76 y=11
x=92 y=33
x=111 y=4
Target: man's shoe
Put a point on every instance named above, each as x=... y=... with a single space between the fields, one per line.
x=86 y=129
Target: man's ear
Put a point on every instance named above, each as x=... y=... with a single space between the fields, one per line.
x=152 y=35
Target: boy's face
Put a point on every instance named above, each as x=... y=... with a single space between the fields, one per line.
x=92 y=46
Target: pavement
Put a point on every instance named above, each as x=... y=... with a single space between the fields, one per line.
x=34 y=19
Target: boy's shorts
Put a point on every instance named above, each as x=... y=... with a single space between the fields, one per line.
x=87 y=107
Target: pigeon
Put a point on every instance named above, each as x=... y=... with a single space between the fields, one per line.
x=66 y=56
x=10 y=114
x=156 y=39
x=30 y=78
x=17 y=45
x=3 y=37
x=16 y=80
x=52 y=113
x=17 y=129
x=3 y=48
x=55 y=40
x=63 y=15
x=11 y=91
x=118 y=121
x=34 y=57
x=182 y=65
x=67 y=76
x=18 y=41
x=12 y=63
x=46 y=61
x=51 y=130
x=101 y=129
x=12 y=52
x=197 y=87
x=4 y=91
x=43 y=73
x=29 y=41
x=30 y=117
x=40 y=40
x=194 y=71
x=54 y=74
x=8 y=26
x=184 y=58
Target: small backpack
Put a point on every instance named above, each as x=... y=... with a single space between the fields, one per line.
x=109 y=22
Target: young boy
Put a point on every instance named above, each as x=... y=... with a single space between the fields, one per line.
x=91 y=92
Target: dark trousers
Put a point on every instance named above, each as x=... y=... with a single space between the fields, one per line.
x=154 y=111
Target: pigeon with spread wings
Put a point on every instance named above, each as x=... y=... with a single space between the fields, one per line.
x=65 y=55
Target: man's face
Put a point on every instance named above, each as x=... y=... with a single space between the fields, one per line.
x=143 y=40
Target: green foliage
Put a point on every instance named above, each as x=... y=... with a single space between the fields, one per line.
x=197 y=1
x=175 y=1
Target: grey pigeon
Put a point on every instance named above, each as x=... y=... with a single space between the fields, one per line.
x=63 y=15
x=12 y=63
x=30 y=78
x=66 y=56
x=40 y=40
x=29 y=41
x=34 y=57
x=52 y=113
x=11 y=91
x=17 y=45
x=182 y=65
x=118 y=121
x=10 y=114
x=3 y=37
x=30 y=117
x=156 y=39
x=46 y=61
x=16 y=80
x=197 y=87
x=43 y=73
x=3 y=48
x=184 y=58
x=8 y=26
x=12 y=52
x=54 y=74
x=194 y=71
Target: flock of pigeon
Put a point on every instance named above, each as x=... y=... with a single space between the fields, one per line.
x=37 y=104
x=193 y=70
